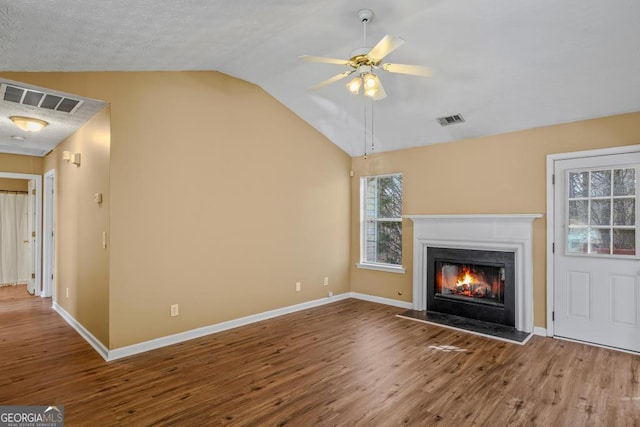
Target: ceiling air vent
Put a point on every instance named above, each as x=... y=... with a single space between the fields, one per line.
x=37 y=99
x=450 y=120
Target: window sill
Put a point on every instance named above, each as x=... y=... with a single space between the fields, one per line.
x=381 y=267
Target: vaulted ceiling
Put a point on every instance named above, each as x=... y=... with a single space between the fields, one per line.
x=504 y=65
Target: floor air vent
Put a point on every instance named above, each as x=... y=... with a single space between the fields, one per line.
x=450 y=120
x=37 y=99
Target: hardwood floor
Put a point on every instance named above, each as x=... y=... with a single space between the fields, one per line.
x=344 y=364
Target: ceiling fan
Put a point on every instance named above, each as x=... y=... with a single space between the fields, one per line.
x=364 y=61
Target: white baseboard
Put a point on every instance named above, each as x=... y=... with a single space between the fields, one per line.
x=537 y=330
x=84 y=333
x=381 y=300
x=153 y=344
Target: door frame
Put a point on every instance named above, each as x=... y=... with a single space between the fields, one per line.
x=551 y=210
x=37 y=251
x=48 y=237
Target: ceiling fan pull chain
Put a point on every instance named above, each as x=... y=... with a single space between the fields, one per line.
x=372 y=139
x=364 y=104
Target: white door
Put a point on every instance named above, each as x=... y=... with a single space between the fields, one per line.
x=596 y=257
x=48 y=235
x=31 y=226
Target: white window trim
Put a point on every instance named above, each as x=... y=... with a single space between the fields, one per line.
x=390 y=268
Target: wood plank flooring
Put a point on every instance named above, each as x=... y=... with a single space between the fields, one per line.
x=350 y=363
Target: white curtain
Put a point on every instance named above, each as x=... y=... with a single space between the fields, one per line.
x=14 y=239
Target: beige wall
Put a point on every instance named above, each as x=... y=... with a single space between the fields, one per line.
x=21 y=164
x=497 y=174
x=220 y=204
x=11 y=184
x=221 y=199
x=82 y=264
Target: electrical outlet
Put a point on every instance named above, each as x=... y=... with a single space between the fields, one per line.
x=298 y=286
x=174 y=310
x=330 y=294
x=326 y=281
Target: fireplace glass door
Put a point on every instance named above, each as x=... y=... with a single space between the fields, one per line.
x=475 y=284
x=483 y=284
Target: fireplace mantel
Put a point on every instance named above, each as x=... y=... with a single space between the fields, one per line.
x=498 y=232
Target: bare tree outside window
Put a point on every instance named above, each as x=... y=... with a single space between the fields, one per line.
x=382 y=220
x=602 y=212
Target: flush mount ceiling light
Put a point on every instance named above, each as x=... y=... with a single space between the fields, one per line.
x=28 y=124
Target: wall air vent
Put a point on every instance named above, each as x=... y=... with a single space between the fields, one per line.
x=450 y=120
x=37 y=99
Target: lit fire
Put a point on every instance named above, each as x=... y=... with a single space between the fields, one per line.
x=468 y=286
x=466 y=280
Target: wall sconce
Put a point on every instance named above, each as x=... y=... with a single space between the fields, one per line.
x=28 y=124
x=75 y=159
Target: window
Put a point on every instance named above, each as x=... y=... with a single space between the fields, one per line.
x=602 y=212
x=381 y=222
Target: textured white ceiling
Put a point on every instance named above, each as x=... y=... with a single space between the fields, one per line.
x=61 y=124
x=505 y=65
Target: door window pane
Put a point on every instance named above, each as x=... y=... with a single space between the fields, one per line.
x=624 y=242
x=624 y=211
x=578 y=184
x=578 y=212
x=624 y=182
x=600 y=183
x=578 y=241
x=600 y=212
x=600 y=241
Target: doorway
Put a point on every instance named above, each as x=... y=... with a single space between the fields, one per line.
x=593 y=285
x=34 y=284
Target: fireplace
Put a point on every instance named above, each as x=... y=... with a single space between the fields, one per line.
x=488 y=243
x=476 y=284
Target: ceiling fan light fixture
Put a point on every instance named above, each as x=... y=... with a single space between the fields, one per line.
x=371 y=84
x=370 y=81
x=354 y=85
x=29 y=124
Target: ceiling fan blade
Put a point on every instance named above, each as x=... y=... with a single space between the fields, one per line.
x=384 y=47
x=380 y=94
x=309 y=58
x=331 y=80
x=414 y=70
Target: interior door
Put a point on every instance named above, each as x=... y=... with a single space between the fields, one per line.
x=596 y=256
x=31 y=226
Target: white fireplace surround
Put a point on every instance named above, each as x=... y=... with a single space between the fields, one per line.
x=492 y=232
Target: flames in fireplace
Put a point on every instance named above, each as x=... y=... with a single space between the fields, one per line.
x=470 y=281
x=470 y=286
